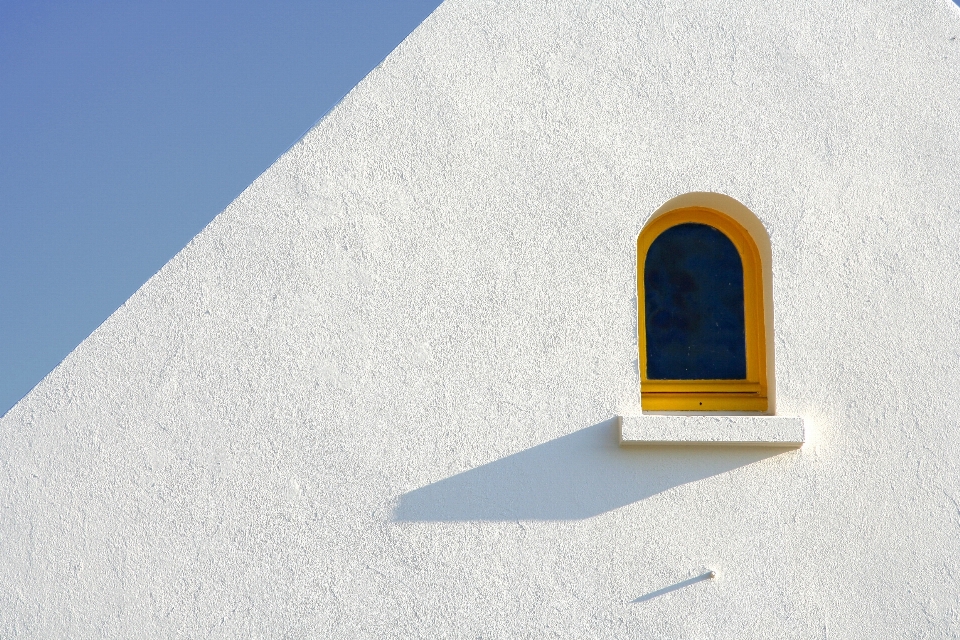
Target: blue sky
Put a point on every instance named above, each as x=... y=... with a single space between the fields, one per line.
x=126 y=127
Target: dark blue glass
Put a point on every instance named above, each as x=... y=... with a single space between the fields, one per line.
x=693 y=284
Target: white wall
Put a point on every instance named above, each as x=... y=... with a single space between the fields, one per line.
x=374 y=398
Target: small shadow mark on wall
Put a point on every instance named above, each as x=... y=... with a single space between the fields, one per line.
x=673 y=587
x=573 y=477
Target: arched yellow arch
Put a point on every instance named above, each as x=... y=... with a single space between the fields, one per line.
x=749 y=394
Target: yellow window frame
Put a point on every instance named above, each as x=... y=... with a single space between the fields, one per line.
x=749 y=394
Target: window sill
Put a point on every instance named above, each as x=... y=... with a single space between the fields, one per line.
x=755 y=431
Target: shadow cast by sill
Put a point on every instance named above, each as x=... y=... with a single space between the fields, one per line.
x=577 y=476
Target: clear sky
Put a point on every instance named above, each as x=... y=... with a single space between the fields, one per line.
x=125 y=127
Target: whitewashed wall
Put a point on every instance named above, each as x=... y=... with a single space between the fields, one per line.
x=375 y=397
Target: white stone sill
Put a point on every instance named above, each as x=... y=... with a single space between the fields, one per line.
x=744 y=430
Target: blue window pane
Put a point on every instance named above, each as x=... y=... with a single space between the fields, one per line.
x=693 y=284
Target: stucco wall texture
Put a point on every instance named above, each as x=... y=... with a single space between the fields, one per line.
x=376 y=396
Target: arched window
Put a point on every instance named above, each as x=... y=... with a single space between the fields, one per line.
x=700 y=302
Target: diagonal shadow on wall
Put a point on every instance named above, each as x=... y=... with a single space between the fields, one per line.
x=576 y=476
